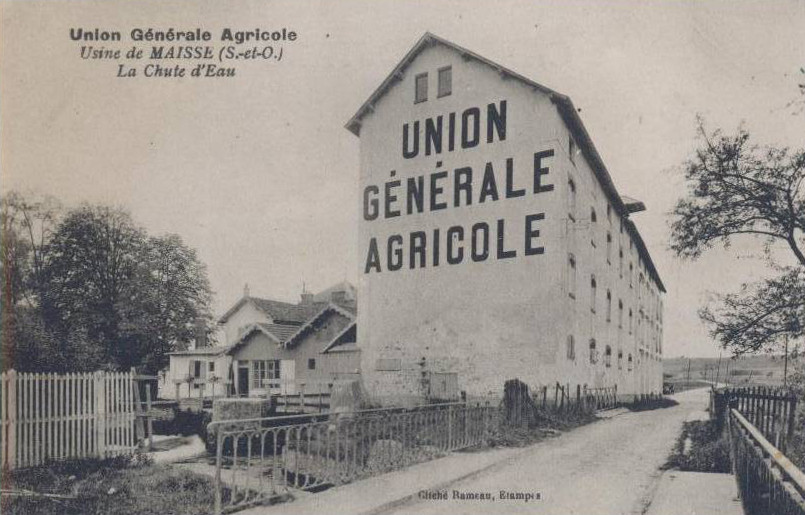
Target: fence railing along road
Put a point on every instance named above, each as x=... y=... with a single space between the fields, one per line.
x=260 y=459
x=760 y=424
x=305 y=452
x=768 y=482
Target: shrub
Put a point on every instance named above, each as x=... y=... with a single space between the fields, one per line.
x=116 y=486
x=709 y=450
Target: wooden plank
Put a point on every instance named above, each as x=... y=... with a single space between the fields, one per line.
x=99 y=383
x=88 y=411
x=45 y=407
x=82 y=429
x=4 y=418
x=139 y=427
x=148 y=421
x=35 y=458
x=69 y=406
x=12 y=418
x=113 y=409
x=28 y=410
x=59 y=417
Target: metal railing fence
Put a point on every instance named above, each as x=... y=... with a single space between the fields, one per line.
x=768 y=482
x=258 y=459
x=770 y=410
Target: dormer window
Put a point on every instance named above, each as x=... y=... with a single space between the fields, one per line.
x=445 y=84
x=421 y=88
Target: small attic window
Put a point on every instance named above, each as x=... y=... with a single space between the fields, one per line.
x=421 y=86
x=445 y=84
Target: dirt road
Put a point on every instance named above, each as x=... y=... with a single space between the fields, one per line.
x=609 y=467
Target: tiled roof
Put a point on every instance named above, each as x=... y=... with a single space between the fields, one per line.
x=202 y=351
x=287 y=312
x=281 y=331
x=309 y=325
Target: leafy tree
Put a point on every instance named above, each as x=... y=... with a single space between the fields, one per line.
x=91 y=289
x=25 y=225
x=738 y=189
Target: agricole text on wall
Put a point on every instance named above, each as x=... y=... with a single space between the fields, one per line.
x=454 y=188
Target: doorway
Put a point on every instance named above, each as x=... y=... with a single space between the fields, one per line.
x=243 y=381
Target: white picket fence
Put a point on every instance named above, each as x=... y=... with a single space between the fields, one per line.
x=54 y=417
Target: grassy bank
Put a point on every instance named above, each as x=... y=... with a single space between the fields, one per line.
x=700 y=448
x=123 y=485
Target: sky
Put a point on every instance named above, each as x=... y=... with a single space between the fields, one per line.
x=259 y=175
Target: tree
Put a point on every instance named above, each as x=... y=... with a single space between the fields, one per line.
x=26 y=225
x=178 y=297
x=135 y=297
x=738 y=189
x=91 y=289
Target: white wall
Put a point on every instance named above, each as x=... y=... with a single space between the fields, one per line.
x=497 y=319
x=245 y=316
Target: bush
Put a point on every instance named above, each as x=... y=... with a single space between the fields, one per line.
x=184 y=423
x=116 y=486
x=709 y=450
x=651 y=404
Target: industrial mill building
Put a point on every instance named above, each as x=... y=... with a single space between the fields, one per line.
x=493 y=243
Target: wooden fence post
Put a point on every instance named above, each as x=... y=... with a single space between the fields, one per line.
x=100 y=413
x=139 y=428
x=615 y=400
x=791 y=416
x=11 y=416
x=556 y=396
x=149 y=424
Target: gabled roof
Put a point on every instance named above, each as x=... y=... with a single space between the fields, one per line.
x=308 y=326
x=338 y=343
x=564 y=105
x=202 y=351
x=280 y=312
x=278 y=333
x=281 y=332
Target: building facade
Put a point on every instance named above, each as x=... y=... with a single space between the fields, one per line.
x=273 y=347
x=492 y=242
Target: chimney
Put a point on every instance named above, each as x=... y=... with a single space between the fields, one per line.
x=307 y=297
x=201 y=333
x=246 y=290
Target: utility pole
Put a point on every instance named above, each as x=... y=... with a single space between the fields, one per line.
x=785 y=366
x=718 y=370
x=688 y=378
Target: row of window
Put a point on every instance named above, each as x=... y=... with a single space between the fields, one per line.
x=266 y=371
x=571 y=354
x=444 y=84
x=594 y=298
x=645 y=288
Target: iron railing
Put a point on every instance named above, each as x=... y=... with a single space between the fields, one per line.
x=770 y=410
x=769 y=483
x=260 y=459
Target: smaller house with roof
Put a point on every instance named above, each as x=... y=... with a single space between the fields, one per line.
x=271 y=359
x=274 y=347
